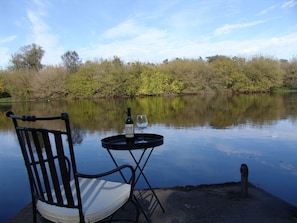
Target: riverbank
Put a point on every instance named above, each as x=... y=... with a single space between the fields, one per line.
x=207 y=203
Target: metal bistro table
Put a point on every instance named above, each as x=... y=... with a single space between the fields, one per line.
x=142 y=142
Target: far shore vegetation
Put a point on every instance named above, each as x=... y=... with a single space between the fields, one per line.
x=27 y=79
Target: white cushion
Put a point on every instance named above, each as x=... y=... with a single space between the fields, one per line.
x=100 y=198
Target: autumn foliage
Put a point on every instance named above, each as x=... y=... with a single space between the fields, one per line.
x=114 y=78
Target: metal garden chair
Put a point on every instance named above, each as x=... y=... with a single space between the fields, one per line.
x=59 y=192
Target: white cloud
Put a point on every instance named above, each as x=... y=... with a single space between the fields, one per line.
x=7 y=39
x=131 y=41
x=289 y=4
x=4 y=51
x=153 y=32
x=279 y=47
x=265 y=11
x=128 y=28
x=146 y=46
x=41 y=3
x=42 y=35
x=229 y=27
x=38 y=25
x=156 y=46
x=4 y=56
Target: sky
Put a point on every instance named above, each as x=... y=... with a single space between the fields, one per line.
x=149 y=31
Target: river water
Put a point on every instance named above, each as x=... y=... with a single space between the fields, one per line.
x=206 y=139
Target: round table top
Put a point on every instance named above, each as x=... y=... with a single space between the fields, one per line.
x=141 y=141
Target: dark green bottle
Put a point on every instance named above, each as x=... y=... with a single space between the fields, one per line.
x=129 y=127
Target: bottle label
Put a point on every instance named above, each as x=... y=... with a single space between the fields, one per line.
x=129 y=130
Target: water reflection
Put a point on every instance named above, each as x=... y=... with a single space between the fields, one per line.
x=206 y=140
x=187 y=111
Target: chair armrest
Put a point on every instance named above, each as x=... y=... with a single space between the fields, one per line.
x=118 y=169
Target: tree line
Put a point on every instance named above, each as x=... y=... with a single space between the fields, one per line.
x=27 y=79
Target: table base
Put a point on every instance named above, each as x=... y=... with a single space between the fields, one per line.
x=141 y=162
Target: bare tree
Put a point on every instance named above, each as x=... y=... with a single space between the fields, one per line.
x=71 y=61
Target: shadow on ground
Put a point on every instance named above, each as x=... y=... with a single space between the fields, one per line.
x=204 y=203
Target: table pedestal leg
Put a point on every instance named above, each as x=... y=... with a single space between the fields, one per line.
x=140 y=174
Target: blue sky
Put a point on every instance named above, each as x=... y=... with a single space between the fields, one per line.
x=149 y=30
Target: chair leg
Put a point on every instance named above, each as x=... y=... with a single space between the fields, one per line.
x=137 y=210
x=34 y=212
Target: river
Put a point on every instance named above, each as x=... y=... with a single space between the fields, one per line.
x=206 y=139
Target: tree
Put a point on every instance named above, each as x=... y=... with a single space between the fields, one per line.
x=155 y=82
x=28 y=57
x=84 y=83
x=115 y=81
x=49 y=83
x=264 y=74
x=193 y=73
x=290 y=78
x=223 y=67
x=2 y=86
x=71 y=61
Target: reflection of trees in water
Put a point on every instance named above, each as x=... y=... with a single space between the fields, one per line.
x=241 y=109
x=290 y=105
x=182 y=111
x=77 y=134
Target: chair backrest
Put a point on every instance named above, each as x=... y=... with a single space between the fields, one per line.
x=49 y=159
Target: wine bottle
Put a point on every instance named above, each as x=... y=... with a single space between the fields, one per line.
x=129 y=127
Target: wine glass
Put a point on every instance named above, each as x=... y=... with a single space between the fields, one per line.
x=142 y=123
